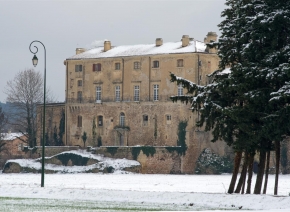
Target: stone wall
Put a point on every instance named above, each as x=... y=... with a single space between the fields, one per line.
x=36 y=153
x=154 y=160
x=53 y=115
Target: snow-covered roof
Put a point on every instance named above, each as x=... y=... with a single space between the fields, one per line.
x=141 y=49
x=10 y=136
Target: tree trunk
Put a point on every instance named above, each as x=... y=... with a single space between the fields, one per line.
x=237 y=163
x=260 y=174
x=277 y=150
x=243 y=174
x=250 y=173
x=244 y=183
x=267 y=172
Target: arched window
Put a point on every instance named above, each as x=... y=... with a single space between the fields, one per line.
x=122 y=119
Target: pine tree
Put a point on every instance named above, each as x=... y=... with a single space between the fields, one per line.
x=248 y=108
x=84 y=138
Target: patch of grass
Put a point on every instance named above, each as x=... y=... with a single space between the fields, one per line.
x=33 y=204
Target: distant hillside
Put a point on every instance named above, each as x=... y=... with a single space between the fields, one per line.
x=8 y=110
x=6 y=107
x=3 y=105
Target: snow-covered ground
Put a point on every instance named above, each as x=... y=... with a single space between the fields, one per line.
x=90 y=192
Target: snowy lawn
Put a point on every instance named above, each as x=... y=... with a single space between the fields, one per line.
x=111 y=192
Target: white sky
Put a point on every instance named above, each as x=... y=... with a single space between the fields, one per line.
x=65 y=25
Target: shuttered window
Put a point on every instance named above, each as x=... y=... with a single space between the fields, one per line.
x=97 y=67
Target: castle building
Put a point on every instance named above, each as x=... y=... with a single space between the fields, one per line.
x=120 y=95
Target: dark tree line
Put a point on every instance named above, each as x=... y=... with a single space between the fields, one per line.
x=3 y=122
x=247 y=104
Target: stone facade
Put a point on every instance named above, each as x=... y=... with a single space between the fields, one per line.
x=53 y=115
x=125 y=91
x=128 y=94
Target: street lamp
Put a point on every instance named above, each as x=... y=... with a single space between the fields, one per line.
x=34 y=62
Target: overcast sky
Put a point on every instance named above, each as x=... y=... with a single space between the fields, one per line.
x=64 y=26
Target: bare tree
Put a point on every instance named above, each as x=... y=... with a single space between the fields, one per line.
x=24 y=92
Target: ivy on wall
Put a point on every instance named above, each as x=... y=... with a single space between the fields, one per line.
x=182 y=137
x=112 y=150
x=147 y=150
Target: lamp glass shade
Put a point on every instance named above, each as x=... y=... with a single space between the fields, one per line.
x=34 y=60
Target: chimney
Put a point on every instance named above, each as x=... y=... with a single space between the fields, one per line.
x=210 y=37
x=159 y=42
x=107 y=45
x=185 y=40
x=80 y=50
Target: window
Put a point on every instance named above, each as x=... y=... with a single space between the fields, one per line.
x=80 y=83
x=145 y=120
x=98 y=94
x=122 y=119
x=100 y=121
x=180 y=90
x=78 y=68
x=136 y=93
x=117 y=66
x=97 y=67
x=137 y=65
x=180 y=63
x=155 y=92
x=80 y=96
x=117 y=93
x=156 y=64
x=168 y=119
x=80 y=120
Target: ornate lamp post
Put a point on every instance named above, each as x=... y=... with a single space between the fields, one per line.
x=34 y=62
